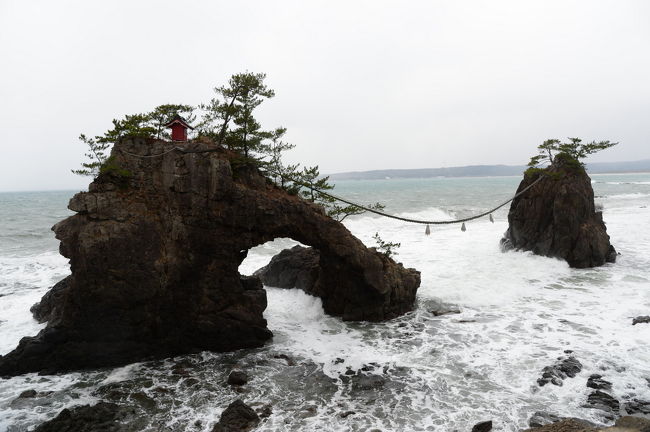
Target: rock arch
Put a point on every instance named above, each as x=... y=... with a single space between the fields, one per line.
x=154 y=251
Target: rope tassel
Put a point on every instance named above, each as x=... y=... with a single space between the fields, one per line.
x=462 y=227
x=491 y=218
x=427 y=231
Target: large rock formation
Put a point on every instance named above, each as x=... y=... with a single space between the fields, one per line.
x=154 y=250
x=557 y=218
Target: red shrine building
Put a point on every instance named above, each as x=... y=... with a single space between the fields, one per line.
x=179 y=128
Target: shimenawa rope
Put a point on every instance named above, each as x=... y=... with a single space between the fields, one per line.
x=368 y=209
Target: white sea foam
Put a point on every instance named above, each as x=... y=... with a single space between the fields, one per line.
x=519 y=312
x=23 y=281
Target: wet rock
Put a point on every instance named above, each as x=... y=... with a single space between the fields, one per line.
x=597 y=382
x=286 y=358
x=602 y=401
x=347 y=414
x=251 y=283
x=265 y=411
x=143 y=400
x=641 y=320
x=555 y=374
x=634 y=424
x=155 y=256
x=367 y=382
x=50 y=306
x=485 y=426
x=102 y=417
x=557 y=218
x=237 y=377
x=566 y=425
x=540 y=418
x=27 y=394
x=637 y=406
x=298 y=267
x=238 y=417
x=439 y=309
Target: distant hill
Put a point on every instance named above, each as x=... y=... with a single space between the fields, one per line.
x=483 y=171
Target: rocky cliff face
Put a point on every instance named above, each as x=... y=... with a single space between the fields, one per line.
x=557 y=218
x=154 y=250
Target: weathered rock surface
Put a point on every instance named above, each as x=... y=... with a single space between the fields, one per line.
x=566 y=425
x=50 y=305
x=557 y=218
x=298 y=267
x=637 y=406
x=563 y=368
x=102 y=417
x=605 y=402
x=155 y=252
x=597 y=382
x=238 y=417
x=237 y=377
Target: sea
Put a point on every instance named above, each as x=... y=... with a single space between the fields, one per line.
x=518 y=314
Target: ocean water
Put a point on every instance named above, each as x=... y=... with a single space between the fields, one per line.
x=519 y=313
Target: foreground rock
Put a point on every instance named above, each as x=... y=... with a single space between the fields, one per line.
x=485 y=426
x=102 y=417
x=623 y=424
x=238 y=417
x=604 y=402
x=557 y=218
x=154 y=251
x=566 y=425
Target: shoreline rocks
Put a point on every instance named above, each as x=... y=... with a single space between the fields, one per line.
x=567 y=367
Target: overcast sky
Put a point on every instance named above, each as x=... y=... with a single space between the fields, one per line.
x=360 y=85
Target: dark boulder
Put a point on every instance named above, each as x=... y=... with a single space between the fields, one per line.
x=298 y=267
x=238 y=417
x=154 y=251
x=604 y=402
x=237 y=377
x=597 y=382
x=363 y=382
x=567 y=425
x=485 y=426
x=641 y=320
x=555 y=374
x=637 y=406
x=557 y=218
x=102 y=417
x=27 y=394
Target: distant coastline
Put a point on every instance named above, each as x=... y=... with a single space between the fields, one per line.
x=485 y=171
